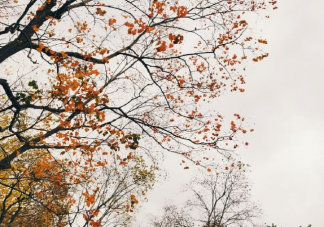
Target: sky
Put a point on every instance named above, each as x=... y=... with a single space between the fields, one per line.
x=284 y=103
x=285 y=100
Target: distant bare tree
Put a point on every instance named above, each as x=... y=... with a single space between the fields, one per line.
x=172 y=217
x=222 y=198
x=219 y=197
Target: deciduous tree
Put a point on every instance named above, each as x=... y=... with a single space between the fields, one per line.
x=171 y=217
x=220 y=198
x=96 y=84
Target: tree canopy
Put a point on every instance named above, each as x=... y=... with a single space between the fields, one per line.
x=92 y=91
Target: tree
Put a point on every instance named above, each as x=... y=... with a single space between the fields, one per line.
x=223 y=198
x=220 y=198
x=96 y=78
x=34 y=193
x=172 y=217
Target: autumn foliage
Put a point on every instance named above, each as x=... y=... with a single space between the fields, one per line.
x=92 y=90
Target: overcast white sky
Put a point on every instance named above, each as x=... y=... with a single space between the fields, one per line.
x=284 y=101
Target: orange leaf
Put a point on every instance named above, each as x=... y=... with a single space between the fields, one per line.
x=149 y=29
x=162 y=47
x=41 y=47
x=34 y=27
x=182 y=11
x=111 y=21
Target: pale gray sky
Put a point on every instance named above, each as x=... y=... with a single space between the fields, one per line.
x=285 y=100
x=284 y=103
